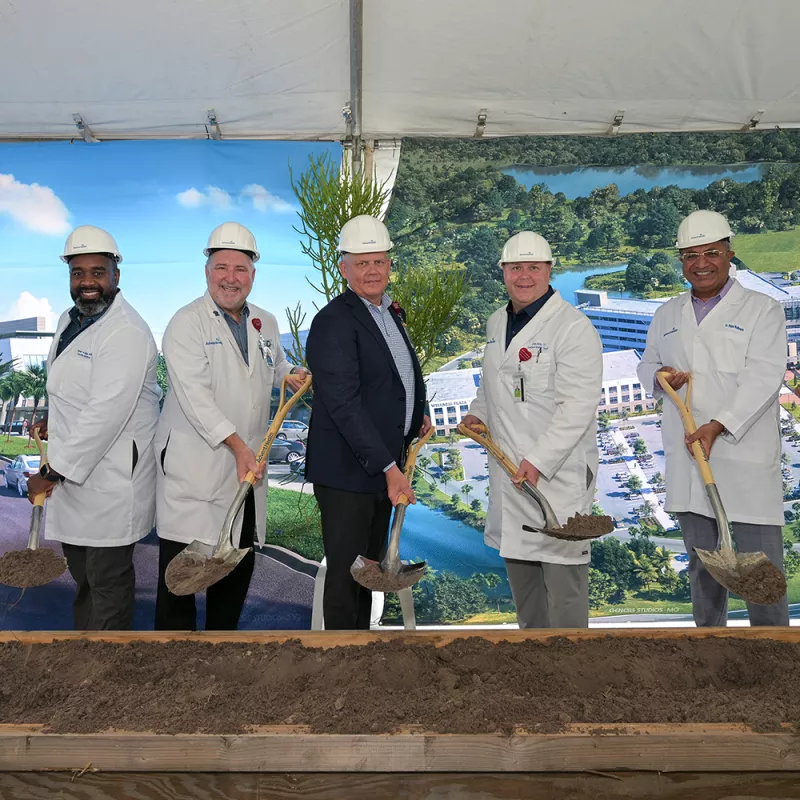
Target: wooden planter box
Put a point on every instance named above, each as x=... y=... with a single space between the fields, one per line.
x=662 y=748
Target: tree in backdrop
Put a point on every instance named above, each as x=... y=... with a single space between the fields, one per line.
x=604 y=420
x=37 y=387
x=634 y=483
x=467 y=489
x=616 y=561
x=601 y=588
x=640 y=447
x=13 y=387
x=330 y=195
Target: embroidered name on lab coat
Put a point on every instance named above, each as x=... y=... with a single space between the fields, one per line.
x=85 y=354
x=733 y=327
x=674 y=330
x=216 y=341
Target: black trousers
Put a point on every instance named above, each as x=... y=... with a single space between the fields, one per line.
x=224 y=599
x=353 y=524
x=106 y=580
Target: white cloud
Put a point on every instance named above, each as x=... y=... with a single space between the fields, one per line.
x=26 y=305
x=264 y=200
x=191 y=198
x=36 y=207
x=213 y=196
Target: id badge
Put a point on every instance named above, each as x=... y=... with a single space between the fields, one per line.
x=519 y=388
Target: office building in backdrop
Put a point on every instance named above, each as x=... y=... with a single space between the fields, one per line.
x=621 y=387
x=25 y=343
x=621 y=322
x=449 y=394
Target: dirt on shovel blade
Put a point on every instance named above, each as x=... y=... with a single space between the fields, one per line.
x=763 y=584
x=26 y=568
x=583 y=526
x=370 y=575
x=189 y=576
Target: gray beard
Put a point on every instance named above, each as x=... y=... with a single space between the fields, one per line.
x=94 y=308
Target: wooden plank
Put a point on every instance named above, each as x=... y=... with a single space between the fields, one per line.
x=657 y=748
x=326 y=639
x=334 y=786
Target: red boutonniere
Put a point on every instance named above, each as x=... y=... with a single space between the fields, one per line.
x=525 y=354
x=257 y=324
x=398 y=311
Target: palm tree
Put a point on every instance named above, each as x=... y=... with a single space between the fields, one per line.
x=17 y=386
x=37 y=387
x=646 y=571
x=662 y=558
x=466 y=490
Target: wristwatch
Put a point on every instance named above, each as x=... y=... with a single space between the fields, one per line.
x=50 y=474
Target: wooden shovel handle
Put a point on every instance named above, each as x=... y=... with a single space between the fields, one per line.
x=284 y=407
x=39 y=499
x=690 y=426
x=484 y=438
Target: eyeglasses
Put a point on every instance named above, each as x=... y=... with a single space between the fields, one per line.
x=691 y=258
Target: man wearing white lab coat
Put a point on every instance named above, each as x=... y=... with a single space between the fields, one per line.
x=732 y=341
x=223 y=358
x=103 y=398
x=542 y=377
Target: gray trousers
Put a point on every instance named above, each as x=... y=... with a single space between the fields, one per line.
x=106 y=585
x=549 y=595
x=710 y=599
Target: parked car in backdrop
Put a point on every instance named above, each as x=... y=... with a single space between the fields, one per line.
x=292 y=429
x=18 y=472
x=17 y=428
x=284 y=451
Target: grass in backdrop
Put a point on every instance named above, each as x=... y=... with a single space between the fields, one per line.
x=18 y=445
x=293 y=522
x=772 y=251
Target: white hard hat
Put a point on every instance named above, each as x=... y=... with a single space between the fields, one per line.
x=232 y=236
x=526 y=246
x=88 y=239
x=364 y=234
x=702 y=227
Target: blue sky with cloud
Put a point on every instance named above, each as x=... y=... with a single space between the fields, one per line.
x=160 y=200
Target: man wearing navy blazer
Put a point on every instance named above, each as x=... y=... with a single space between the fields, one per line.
x=369 y=403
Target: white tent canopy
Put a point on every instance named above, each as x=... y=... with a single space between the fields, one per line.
x=281 y=69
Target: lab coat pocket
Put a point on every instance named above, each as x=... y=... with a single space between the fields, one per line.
x=728 y=352
x=193 y=468
x=537 y=374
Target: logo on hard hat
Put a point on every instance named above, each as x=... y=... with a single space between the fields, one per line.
x=78 y=246
x=369 y=241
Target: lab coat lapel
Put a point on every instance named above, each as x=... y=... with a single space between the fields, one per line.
x=220 y=327
x=533 y=328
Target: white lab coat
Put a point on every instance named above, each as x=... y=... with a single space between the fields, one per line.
x=737 y=358
x=103 y=399
x=212 y=394
x=554 y=429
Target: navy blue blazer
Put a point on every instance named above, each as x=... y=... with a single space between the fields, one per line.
x=359 y=407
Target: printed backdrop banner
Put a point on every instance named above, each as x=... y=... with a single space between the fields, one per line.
x=612 y=226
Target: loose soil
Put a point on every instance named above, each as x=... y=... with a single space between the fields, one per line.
x=468 y=686
x=370 y=575
x=26 y=568
x=762 y=584
x=583 y=526
x=190 y=575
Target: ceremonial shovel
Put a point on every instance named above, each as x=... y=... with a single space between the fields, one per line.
x=192 y=570
x=752 y=576
x=391 y=575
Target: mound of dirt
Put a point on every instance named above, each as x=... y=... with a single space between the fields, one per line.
x=468 y=686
